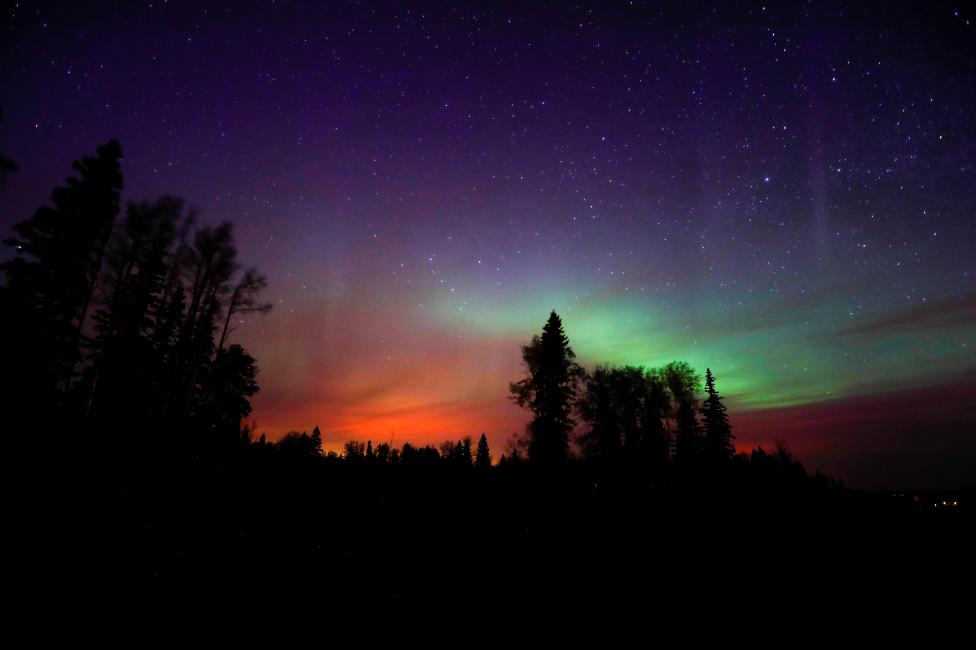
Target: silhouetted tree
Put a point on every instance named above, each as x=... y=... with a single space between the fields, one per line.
x=687 y=436
x=683 y=384
x=598 y=408
x=243 y=300
x=718 y=431
x=355 y=450
x=482 y=459
x=629 y=387
x=226 y=391
x=425 y=456
x=209 y=264
x=51 y=280
x=296 y=445
x=449 y=451
x=123 y=360
x=625 y=408
x=512 y=459
x=549 y=391
x=317 y=440
x=655 y=443
x=132 y=308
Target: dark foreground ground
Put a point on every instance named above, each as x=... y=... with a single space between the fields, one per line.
x=258 y=530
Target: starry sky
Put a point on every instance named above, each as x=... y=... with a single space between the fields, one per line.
x=783 y=193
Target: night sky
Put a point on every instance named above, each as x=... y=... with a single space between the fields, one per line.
x=785 y=194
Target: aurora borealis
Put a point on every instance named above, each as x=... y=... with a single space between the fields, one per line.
x=784 y=194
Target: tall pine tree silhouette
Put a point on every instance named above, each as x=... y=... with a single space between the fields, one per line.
x=317 y=440
x=718 y=431
x=482 y=459
x=549 y=391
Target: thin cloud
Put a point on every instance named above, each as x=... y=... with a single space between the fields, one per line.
x=944 y=313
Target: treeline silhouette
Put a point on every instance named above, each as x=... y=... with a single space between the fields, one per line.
x=643 y=427
x=126 y=402
x=295 y=445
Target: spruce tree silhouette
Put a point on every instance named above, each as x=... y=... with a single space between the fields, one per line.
x=482 y=458
x=317 y=440
x=718 y=431
x=549 y=391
